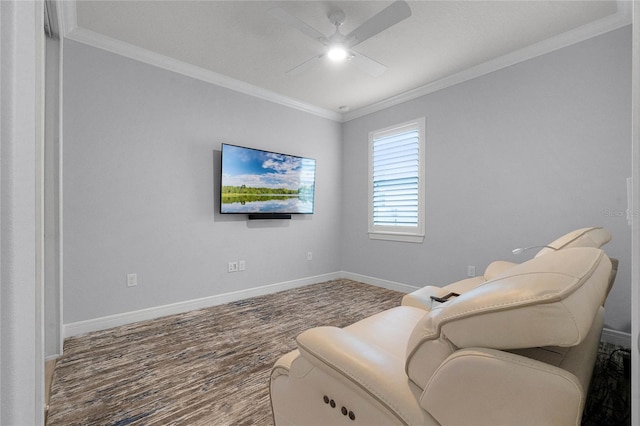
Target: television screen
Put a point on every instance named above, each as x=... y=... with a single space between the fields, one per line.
x=256 y=181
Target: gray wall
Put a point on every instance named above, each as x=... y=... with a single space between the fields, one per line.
x=140 y=144
x=514 y=158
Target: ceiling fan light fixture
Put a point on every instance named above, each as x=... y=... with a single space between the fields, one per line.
x=339 y=47
x=337 y=53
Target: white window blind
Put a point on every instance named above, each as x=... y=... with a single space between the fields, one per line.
x=396 y=180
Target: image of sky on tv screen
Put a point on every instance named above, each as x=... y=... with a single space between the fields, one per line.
x=256 y=181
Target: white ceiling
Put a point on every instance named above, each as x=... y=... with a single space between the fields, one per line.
x=240 y=45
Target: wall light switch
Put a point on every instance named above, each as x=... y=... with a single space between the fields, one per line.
x=242 y=265
x=232 y=267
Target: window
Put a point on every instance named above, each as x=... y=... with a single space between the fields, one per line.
x=396 y=182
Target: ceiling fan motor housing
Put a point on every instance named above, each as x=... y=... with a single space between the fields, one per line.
x=337 y=18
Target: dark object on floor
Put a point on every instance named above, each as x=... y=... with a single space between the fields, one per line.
x=609 y=400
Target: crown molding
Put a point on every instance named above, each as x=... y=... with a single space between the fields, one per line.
x=69 y=29
x=612 y=22
x=121 y=48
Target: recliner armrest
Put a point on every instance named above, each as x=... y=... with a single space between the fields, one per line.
x=489 y=387
x=378 y=373
x=421 y=298
x=282 y=365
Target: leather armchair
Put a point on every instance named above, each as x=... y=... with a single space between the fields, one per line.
x=584 y=237
x=518 y=349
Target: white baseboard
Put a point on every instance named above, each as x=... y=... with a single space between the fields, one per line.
x=103 y=323
x=615 y=337
x=73 y=329
x=390 y=285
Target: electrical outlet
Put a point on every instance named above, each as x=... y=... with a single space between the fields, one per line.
x=242 y=265
x=232 y=267
x=471 y=271
x=132 y=280
x=309 y=255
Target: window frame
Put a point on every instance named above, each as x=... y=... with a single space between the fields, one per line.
x=413 y=234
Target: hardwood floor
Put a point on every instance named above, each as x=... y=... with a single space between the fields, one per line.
x=204 y=367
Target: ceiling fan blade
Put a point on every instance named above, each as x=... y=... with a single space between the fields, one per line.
x=396 y=12
x=296 y=23
x=367 y=65
x=305 y=65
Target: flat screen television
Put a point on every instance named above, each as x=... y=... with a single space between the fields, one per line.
x=258 y=182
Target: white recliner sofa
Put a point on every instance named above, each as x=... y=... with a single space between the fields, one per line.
x=515 y=350
x=429 y=296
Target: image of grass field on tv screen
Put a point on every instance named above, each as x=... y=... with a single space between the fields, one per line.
x=256 y=181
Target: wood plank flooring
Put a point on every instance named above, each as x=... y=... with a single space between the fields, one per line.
x=203 y=367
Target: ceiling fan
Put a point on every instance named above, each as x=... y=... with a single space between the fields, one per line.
x=339 y=46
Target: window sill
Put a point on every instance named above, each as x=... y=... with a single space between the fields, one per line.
x=389 y=236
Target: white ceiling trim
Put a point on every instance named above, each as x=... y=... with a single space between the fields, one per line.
x=618 y=20
x=71 y=31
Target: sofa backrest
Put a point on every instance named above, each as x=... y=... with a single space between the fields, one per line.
x=584 y=237
x=550 y=300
